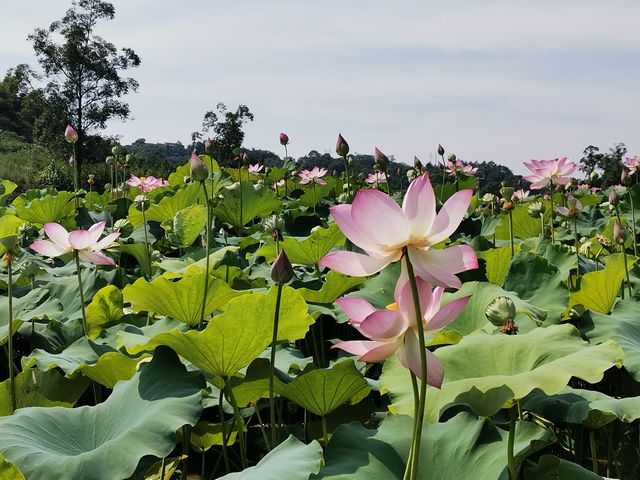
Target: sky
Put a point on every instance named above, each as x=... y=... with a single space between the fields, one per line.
x=506 y=81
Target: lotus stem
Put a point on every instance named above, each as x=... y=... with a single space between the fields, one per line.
x=240 y=183
x=417 y=434
x=511 y=232
x=511 y=464
x=85 y=325
x=444 y=166
x=314 y=197
x=272 y=367
x=594 y=453
x=206 y=251
x=238 y=420
x=346 y=172
x=416 y=401
x=264 y=434
x=626 y=272
x=553 y=236
x=12 y=385
x=633 y=225
x=146 y=238
x=541 y=225
x=225 y=437
x=577 y=240
x=325 y=434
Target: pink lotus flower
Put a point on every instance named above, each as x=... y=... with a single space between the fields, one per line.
x=70 y=134
x=146 y=184
x=279 y=183
x=375 y=223
x=395 y=329
x=520 y=194
x=573 y=208
x=255 y=169
x=376 y=178
x=453 y=168
x=632 y=164
x=313 y=175
x=557 y=171
x=84 y=242
x=284 y=138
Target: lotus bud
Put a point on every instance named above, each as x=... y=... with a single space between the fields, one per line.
x=124 y=226
x=70 y=134
x=619 y=233
x=593 y=175
x=284 y=138
x=613 y=197
x=417 y=164
x=411 y=175
x=452 y=157
x=342 y=147
x=141 y=203
x=381 y=160
x=440 y=150
x=197 y=168
x=500 y=310
x=624 y=177
x=536 y=209
x=281 y=270
x=349 y=159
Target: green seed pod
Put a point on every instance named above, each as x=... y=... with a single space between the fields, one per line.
x=500 y=310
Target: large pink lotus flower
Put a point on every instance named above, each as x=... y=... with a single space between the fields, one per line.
x=375 y=223
x=84 y=242
x=313 y=175
x=146 y=184
x=632 y=164
x=395 y=329
x=255 y=169
x=454 y=168
x=376 y=178
x=557 y=171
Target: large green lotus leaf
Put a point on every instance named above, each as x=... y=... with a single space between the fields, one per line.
x=139 y=252
x=140 y=418
x=538 y=282
x=309 y=198
x=292 y=460
x=168 y=465
x=498 y=260
x=378 y=290
x=186 y=225
x=463 y=447
x=48 y=208
x=180 y=299
x=35 y=388
x=105 y=307
x=168 y=205
x=35 y=304
x=102 y=363
x=236 y=337
x=8 y=471
x=65 y=291
x=179 y=266
x=9 y=226
x=335 y=284
x=256 y=202
x=524 y=226
x=484 y=371
x=130 y=336
x=621 y=325
x=205 y=435
x=322 y=390
x=550 y=467
x=558 y=255
x=307 y=251
x=9 y=187
x=599 y=290
x=589 y=408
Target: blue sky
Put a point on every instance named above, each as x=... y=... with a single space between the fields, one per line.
x=494 y=80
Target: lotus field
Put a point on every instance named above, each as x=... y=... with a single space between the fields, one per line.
x=254 y=323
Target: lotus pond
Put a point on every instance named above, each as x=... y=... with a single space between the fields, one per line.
x=239 y=323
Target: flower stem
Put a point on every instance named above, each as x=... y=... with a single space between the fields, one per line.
x=225 y=437
x=346 y=172
x=416 y=401
x=85 y=326
x=553 y=236
x=325 y=435
x=594 y=453
x=146 y=238
x=633 y=225
x=272 y=367
x=423 y=366
x=626 y=271
x=206 y=251
x=240 y=175
x=314 y=197
x=541 y=225
x=511 y=232
x=577 y=240
x=238 y=420
x=513 y=473
x=12 y=386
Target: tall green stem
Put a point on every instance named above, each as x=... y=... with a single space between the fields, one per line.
x=240 y=175
x=314 y=197
x=12 y=386
x=346 y=172
x=274 y=340
x=511 y=231
x=225 y=437
x=511 y=464
x=541 y=225
x=85 y=325
x=146 y=237
x=577 y=241
x=238 y=421
x=553 y=235
x=423 y=366
x=416 y=401
x=633 y=225
x=626 y=271
x=594 y=453
x=325 y=433
x=206 y=251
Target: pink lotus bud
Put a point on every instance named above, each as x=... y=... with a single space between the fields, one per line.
x=284 y=139
x=197 y=168
x=342 y=147
x=381 y=160
x=281 y=270
x=70 y=135
x=619 y=233
x=613 y=197
x=624 y=176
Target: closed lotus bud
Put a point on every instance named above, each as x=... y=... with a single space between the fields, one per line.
x=500 y=310
x=624 y=176
x=281 y=270
x=382 y=161
x=284 y=138
x=613 y=197
x=536 y=209
x=411 y=175
x=342 y=147
x=350 y=159
x=619 y=233
x=141 y=203
x=507 y=192
x=452 y=157
x=197 y=168
x=70 y=134
x=124 y=226
x=417 y=164
x=440 y=150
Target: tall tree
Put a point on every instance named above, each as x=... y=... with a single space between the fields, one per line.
x=227 y=129
x=607 y=164
x=84 y=69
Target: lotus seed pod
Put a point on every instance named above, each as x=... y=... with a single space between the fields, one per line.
x=30 y=269
x=343 y=198
x=381 y=160
x=452 y=157
x=411 y=175
x=507 y=192
x=124 y=226
x=417 y=164
x=488 y=198
x=141 y=203
x=536 y=209
x=499 y=310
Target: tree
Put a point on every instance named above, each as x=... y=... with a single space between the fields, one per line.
x=84 y=69
x=227 y=129
x=608 y=165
